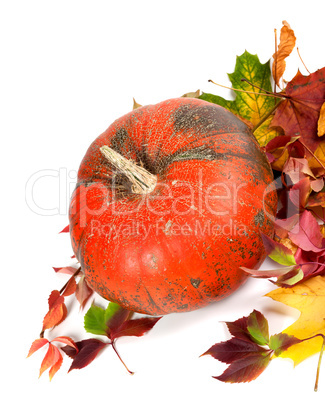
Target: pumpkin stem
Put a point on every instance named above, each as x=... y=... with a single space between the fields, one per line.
x=142 y=181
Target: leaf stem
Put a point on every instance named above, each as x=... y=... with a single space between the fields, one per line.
x=118 y=355
x=319 y=359
x=273 y=95
x=275 y=58
x=302 y=61
x=319 y=363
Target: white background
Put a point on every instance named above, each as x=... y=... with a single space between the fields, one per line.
x=68 y=69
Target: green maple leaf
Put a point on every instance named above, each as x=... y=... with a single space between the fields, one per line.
x=251 y=106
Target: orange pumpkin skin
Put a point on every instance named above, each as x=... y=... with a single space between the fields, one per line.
x=180 y=246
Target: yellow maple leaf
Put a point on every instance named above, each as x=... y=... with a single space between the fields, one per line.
x=265 y=132
x=309 y=298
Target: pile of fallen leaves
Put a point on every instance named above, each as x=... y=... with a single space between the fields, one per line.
x=289 y=125
x=288 y=121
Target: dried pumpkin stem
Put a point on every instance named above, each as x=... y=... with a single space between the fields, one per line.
x=142 y=181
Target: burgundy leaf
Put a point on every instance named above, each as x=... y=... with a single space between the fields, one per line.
x=116 y=320
x=88 y=350
x=246 y=369
x=238 y=328
x=137 y=327
x=233 y=349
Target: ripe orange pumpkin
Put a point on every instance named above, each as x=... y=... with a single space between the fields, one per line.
x=175 y=242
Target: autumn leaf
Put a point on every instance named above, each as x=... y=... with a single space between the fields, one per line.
x=81 y=289
x=250 y=350
x=309 y=298
x=66 y=229
x=36 y=345
x=258 y=328
x=246 y=369
x=88 y=349
x=287 y=43
x=277 y=251
x=299 y=112
x=112 y=322
x=233 y=349
x=306 y=233
x=321 y=122
x=53 y=358
x=57 y=311
x=250 y=104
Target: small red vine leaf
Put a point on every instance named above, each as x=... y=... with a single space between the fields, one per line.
x=251 y=349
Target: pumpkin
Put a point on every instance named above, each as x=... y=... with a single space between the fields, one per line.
x=170 y=202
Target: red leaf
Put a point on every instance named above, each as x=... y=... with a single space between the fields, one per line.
x=137 y=327
x=306 y=234
x=246 y=369
x=37 y=344
x=299 y=192
x=67 y=341
x=298 y=114
x=88 y=350
x=83 y=291
x=51 y=358
x=297 y=169
x=66 y=229
x=70 y=287
x=55 y=299
x=57 y=311
x=56 y=366
x=233 y=349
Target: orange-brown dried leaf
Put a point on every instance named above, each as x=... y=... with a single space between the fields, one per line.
x=287 y=43
x=321 y=122
x=57 y=311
